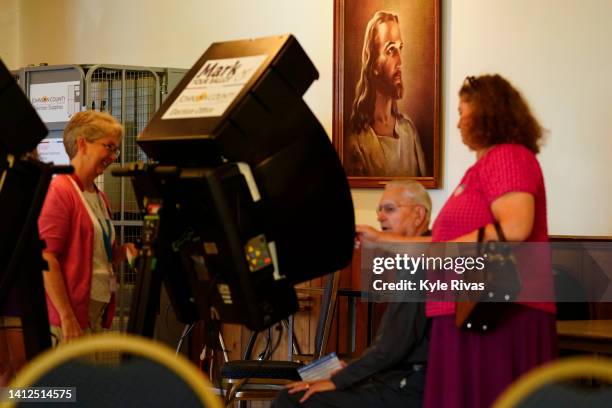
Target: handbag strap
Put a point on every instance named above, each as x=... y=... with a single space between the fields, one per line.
x=500 y=233
x=481 y=232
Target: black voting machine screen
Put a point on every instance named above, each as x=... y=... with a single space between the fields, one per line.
x=23 y=186
x=247 y=196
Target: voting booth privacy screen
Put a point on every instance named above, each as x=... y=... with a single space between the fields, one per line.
x=253 y=198
x=20 y=131
x=23 y=185
x=20 y=127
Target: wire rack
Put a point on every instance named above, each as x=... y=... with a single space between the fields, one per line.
x=132 y=96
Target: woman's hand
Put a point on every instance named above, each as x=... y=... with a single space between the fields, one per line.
x=127 y=251
x=131 y=252
x=56 y=290
x=70 y=328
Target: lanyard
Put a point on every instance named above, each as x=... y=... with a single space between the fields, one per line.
x=106 y=237
x=106 y=232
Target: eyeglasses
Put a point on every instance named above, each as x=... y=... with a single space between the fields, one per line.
x=472 y=81
x=389 y=209
x=110 y=148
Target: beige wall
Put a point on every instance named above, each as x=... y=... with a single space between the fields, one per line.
x=555 y=51
x=9 y=33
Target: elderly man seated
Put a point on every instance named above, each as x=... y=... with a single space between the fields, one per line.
x=391 y=373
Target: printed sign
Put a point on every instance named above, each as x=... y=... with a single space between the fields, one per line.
x=56 y=101
x=211 y=91
x=51 y=150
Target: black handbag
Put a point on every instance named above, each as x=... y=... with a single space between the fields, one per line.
x=481 y=312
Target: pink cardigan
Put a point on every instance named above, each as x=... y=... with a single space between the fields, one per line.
x=67 y=229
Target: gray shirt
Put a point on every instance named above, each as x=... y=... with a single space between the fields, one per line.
x=400 y=343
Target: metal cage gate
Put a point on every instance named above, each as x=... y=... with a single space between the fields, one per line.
x=131 y=95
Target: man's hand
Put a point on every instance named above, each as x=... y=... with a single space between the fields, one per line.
x=367 y=233
x=310 y=388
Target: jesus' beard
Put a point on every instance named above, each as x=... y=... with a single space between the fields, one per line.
x=394 y=89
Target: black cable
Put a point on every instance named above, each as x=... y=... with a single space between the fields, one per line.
x=264 y=354
x=280 y=329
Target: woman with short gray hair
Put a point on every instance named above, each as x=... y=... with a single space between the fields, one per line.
x=75 y=223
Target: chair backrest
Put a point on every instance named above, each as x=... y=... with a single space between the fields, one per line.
x=572 y=298
x=543 y=386
x=326 y=315
x=144 y=373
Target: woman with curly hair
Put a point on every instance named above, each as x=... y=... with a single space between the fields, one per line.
x=505 y=185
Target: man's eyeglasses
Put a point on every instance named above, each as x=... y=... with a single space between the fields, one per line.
x=111 y=148
x=389 y=209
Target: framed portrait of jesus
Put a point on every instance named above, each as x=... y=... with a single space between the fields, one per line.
x=387 y=90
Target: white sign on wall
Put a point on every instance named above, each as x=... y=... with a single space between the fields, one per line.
x=211 y=91
x=56 y=101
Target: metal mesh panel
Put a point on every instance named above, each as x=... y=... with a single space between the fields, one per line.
x=130 y=95
x=140 y=106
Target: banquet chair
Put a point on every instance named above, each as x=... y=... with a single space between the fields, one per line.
x=116 y=370
x=556 y=385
